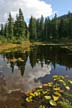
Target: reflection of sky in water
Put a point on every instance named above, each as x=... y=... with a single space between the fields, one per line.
x=28 y=81
x=33 y=77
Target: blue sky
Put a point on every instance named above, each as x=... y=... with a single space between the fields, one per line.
x=61 y=6
x=34 y=8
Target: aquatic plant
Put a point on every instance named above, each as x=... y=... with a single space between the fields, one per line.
x=49 y=94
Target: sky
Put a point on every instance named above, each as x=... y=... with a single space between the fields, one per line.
x=34 y=8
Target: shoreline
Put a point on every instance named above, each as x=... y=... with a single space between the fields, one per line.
x=27 y=44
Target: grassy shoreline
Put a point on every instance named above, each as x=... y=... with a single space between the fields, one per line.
x=27 y=44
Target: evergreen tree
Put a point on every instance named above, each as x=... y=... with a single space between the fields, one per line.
x=32 y=29
x=10 y=26
x=47 y=29
x=41 y=28
x=19 y=26
x=54 y=27
x=2 y=30
x=6 y=30
x=61 y=29
x=38 y=29
x=70 y=25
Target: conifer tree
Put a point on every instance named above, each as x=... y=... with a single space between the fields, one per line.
x=32 y=28
x=10 y=25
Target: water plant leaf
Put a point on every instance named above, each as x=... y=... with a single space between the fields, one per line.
x=32 y=94
x=47 y=97
x=55 y=77
x=50 y=84
x=70 y=81
x=36 y=94
x=55 y=98
x=45 y=85
x=45 y=92
x=52 y=103
x=61 y=77
x=63 y=82
x=56 y=88
x=67 y=88
x=57 y=93
x=29 y=99
x=41 y=106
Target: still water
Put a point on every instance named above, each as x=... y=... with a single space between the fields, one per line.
x=25 y=70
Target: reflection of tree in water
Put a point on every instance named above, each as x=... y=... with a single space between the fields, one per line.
x=42 y=55
x=21 y=65
x=53 y=54
x=33 y=56
x=16 y=55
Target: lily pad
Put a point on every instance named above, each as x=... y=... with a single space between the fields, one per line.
x=57 y=93
x=63 y=82
x=70 y=81
x=41 y=106
x=67 y=88
x=52 y=103
x=56 y=88
x=55 y=77
x=29 y=99
x=47 y=97
x=55 y=98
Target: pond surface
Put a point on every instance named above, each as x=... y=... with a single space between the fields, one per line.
x=25 y=70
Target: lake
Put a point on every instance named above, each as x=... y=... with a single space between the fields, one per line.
x=26 y=70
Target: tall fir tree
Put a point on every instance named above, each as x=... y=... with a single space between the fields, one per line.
x=6 y=30
x=42 y=28
x=33 y=29
x=10 y=25
x=2 y=30
x=54 y=28
x=19 y=26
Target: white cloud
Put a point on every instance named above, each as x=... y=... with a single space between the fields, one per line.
x=35 y=8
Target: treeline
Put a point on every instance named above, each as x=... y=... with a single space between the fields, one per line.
x=38 y=29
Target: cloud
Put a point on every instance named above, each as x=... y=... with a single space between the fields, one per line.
x=35 y=8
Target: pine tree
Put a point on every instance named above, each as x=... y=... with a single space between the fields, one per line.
x=41 y=28
x=70 y=25
x=6 y=30
x=61 y=29
x=54 y=27
x=32 y=29
x=10 y=26
x=2 y=30
x=19 y=26
x=47 y=29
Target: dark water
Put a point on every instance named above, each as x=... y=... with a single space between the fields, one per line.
x=33 y=68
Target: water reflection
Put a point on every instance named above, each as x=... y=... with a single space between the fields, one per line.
x=42 y=55
x=36 y=66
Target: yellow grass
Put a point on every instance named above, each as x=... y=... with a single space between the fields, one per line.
x=26 y=46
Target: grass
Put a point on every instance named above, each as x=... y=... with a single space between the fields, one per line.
x=25 y=44
x=8 y=46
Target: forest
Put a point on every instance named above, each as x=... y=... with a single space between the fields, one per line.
x=42 y=29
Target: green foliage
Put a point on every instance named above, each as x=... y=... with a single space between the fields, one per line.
x=20 y=25
x=9 y=27
x=51 y=94
x=32 y=29
x=64 y=104
x=55 y=29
